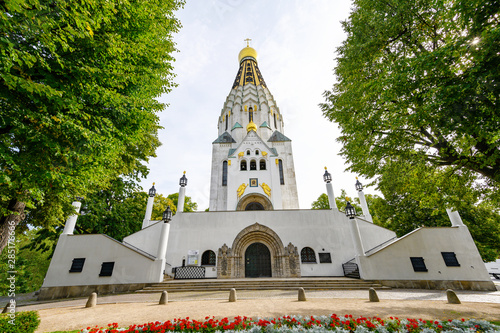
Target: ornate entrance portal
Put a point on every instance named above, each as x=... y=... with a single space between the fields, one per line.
x=258 y=251
x=257 y=261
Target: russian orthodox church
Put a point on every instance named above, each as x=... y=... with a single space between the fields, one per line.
x=252 y=160
x=254 y=227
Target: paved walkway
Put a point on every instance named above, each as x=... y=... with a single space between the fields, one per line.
x=393 y=294
x=135 y=308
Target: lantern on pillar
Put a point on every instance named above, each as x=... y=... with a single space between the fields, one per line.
x=350 y=211
x=327 y=177
x=167 y=215
x=183 y=181
x=152 y=191
x=358 y=185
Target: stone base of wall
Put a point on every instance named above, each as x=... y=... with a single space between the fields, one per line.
x=48 y=293
x=439 y=284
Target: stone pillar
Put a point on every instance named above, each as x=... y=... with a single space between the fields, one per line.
x=456 y=220
x=149 y=207
x=69 y=226
x=162 y=247
x=180 y=201
x=364 y=206
x=331 y=197
x=356 y=237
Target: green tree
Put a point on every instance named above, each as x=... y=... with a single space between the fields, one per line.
x=31 y=265
x=159 y=206
x=321 y=203
x=78 y=82
x=117 y=211
x=418 y=87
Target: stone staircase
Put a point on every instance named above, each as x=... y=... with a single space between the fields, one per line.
x=333 y=283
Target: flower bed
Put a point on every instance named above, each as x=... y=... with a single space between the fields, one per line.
x=305 y=324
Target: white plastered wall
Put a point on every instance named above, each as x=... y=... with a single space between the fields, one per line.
x=130 y=266
x=322 y=230
x=393 y=261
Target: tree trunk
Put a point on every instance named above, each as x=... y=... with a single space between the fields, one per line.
x=9 y=222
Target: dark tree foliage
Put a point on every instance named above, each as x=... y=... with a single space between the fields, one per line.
x=78 y=82
x=418 y=86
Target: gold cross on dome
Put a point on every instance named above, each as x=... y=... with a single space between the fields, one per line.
x=248 y=41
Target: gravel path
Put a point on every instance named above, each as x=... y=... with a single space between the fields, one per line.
x=135 y=308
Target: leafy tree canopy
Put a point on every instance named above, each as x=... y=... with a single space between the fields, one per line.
x=418 y=88
x=78 y=82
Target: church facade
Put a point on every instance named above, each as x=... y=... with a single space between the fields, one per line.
x=254 y=227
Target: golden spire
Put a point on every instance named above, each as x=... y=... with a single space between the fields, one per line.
x=247 y=52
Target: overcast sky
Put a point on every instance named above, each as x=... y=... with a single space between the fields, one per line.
x=296 y=42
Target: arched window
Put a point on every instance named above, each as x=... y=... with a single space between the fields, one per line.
x=208 y=258
x=307 y=255
x=262 y=165
x=275 y=121
x=224 y=173
x=282 y=177
x=253 y=165
x=243 y=166
x=248 y=152
x=227 y=118
x=257 y=152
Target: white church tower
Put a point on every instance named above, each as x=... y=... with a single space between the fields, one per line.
x=252 y=160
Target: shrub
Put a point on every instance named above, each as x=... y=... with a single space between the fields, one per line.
x=24 y=322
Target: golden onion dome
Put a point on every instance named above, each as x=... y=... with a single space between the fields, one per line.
x=247 y=52
x=251 y=126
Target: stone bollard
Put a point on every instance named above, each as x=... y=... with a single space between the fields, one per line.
x=452 y=297
x=373 y=295
x=302 y=295
x=164 y=298
x=92 y=301
x=232 y=295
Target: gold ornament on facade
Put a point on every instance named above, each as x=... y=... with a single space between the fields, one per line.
x=246 y=110
x=266 y=189
x=240 y=154
x=264 y=153
x=228 y=162
x=251 y=126
x=241 y=190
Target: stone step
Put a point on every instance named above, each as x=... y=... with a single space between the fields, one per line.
x=261 y=284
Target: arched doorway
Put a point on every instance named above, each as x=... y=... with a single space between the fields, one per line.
x=254 y=206
x=257 y=261
x=254 y=198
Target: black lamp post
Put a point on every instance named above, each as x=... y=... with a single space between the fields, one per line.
x=358 y=185
x=327 y=177
x=350 y=211
x=183 y=181
x=167 y=215
x=152 y=191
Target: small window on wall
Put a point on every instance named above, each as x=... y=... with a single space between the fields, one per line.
x=107 y=268
x=282 y=176
x=418 y=264
x=256 y=152
x=243 y=166
x=248 y=152
x=253 y=165
x=325 y=258
x=77 y=265
x=307 y=255
x=450 y=259
x=224 y=173
x=208 y=258
x=262 y=165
